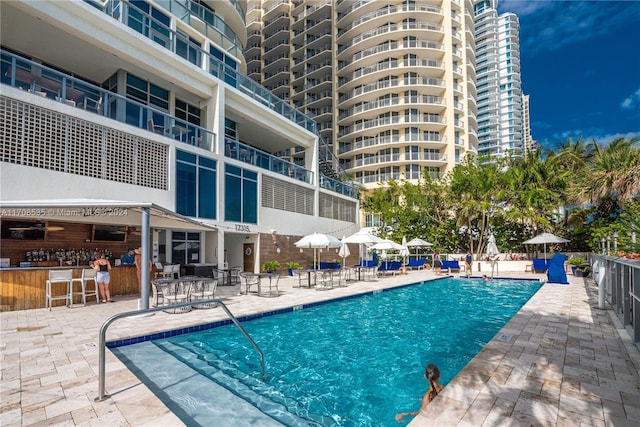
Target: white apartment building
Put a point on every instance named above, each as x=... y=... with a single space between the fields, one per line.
x=529 y=143
x=498 y=84
x=147 y=101
x=391 y=84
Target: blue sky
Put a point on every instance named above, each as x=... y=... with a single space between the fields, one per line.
x=580 y=64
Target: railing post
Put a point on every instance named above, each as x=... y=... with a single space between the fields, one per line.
x=602 y=272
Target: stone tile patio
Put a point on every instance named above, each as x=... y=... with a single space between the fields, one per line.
x=560 y=361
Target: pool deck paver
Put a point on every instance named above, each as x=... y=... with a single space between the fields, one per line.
x=560 y=361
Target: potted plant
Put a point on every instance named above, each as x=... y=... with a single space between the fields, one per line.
x=271 y=266
x=582 y=271
x=575 y=263
x=292 y=266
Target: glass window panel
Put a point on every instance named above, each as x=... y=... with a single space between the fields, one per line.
x=186 y=157
x=186 y=189
x=208 y=163
x=233 y=201
x=250 y=202
x=207 y=193
x=233 y=170
x=134 y=114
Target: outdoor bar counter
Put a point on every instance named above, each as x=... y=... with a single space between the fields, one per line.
x=24 y=288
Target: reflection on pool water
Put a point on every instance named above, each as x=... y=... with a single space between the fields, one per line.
x=353 y=362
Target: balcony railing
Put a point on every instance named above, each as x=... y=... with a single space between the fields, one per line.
x=49 y=83
x=618 y=281
x=250 y=155
x=215 y=66
x=338 y=186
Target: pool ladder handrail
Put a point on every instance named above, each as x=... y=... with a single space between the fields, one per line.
x=102 y=394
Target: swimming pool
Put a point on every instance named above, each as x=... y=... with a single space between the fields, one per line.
x=354 y=362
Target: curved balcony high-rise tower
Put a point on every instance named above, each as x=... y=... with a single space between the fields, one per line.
x=391 y=84
x=405 y=88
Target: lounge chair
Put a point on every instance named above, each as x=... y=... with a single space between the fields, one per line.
x=539 y=265
x=417 y=264
x=389 y=267
x=451 y=265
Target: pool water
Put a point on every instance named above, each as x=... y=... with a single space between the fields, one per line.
x=357 y=361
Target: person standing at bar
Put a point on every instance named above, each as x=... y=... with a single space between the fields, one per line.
x=103 y=268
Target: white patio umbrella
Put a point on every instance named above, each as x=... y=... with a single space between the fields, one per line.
x=492 y=248
x=344 y=251
x=363 y=237
x=388 y=245
x=418 y=242
x=545 y=238
x=318 y=241
x=404 y=252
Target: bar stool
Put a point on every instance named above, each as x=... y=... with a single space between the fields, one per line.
x=57 y=277
x=88 y=275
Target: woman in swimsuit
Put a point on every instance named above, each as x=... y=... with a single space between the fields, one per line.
x=432 y=374
x=103 y=266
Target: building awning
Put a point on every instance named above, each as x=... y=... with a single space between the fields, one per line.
x=98 y=211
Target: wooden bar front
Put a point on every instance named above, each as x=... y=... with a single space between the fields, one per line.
x=25 y=288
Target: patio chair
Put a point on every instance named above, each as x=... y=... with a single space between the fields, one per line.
x=176 y=271
x=337 y=278
x=235 y=275
x=176 y=294
x=204 y=289
x=324 y=280
x=167 y=272
x=250 y=279
x=539 y=265
x=269 y=286
x=303 y=278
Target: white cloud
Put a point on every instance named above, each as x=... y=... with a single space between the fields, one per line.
x=551 y=25
x=632 y=102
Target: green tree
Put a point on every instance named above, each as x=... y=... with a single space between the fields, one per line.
x=476 y=196
x=611 y=176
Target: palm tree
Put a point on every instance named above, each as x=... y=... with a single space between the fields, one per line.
x=536 y=187
x=611 y=176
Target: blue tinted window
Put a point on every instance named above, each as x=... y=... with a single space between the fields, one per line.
x=250 y=202
x=186 y=157
x=186 y=189
x=233 y=201
x=207 y=193
x=241 y=195
x=196 y=185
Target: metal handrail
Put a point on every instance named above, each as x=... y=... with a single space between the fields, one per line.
x=102 y=394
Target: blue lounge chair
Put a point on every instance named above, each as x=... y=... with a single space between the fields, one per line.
x=389 y=267
x=416 y=263
x=539 y=265
x=452 y=265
